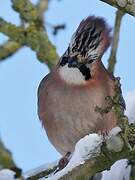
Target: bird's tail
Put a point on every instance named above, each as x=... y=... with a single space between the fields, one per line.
x=91 y=39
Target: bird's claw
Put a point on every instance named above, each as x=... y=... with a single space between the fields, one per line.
x=64 y=161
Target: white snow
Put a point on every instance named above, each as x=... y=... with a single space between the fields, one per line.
x=85 y=148
x=6 y=174
x=114 y=131
x=130 y=103
x=119 y=171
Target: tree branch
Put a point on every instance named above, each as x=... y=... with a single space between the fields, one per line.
x=12 y=31
x=39 y=42
x=34 y=38
x=42 y=173
x=8 y=48
x=42 y=6
x=97 y=164
x=26 y=9
x=6 y=160
x=112 y=60
x=128 y=6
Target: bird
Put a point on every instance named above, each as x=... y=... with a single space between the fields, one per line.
x=69 y=94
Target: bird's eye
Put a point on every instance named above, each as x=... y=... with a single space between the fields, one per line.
x=72 y=62
x=90 y=61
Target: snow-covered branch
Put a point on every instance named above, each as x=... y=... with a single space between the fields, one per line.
x=91 y=155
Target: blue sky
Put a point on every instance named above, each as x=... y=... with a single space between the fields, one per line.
x=20 y=75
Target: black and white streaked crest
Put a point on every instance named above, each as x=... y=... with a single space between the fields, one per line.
x=91 y=39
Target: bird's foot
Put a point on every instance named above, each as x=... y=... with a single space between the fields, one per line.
x=64 y=161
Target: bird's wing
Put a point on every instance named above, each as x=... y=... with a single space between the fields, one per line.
x=42 y=84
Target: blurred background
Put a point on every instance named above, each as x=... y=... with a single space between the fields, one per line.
x=20 y=75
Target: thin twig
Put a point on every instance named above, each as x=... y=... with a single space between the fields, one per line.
x=112 y=60
x=56 y=28
x=42 y=6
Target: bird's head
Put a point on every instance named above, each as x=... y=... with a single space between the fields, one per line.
x=87 y=45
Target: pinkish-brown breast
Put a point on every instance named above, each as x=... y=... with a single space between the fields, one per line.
x=68 y=112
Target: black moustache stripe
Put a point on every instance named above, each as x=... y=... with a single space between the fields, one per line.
x=85 y=71
x=73 y=63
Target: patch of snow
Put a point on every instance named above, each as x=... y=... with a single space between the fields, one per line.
x=7 y=174
x=119 y=171
x=87 y=147
x=114 y=131
x=130 y=104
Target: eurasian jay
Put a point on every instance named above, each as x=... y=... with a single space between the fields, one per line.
x=69 y=94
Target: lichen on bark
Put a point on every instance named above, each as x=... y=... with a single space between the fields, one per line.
x=33 y=35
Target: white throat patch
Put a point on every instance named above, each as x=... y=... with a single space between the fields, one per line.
x=71 y=75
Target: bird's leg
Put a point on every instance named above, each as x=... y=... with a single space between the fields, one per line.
x=64 y=161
